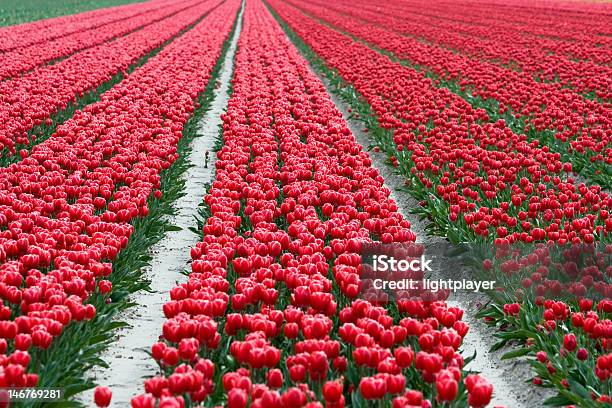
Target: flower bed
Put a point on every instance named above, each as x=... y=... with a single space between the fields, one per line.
x=271 y=312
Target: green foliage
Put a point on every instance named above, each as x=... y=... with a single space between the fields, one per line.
x=22 y=11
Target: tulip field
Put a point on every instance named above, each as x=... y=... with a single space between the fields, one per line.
x=197 y=196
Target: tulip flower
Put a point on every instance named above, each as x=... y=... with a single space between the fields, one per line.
x=569 y=342
x=102 y=396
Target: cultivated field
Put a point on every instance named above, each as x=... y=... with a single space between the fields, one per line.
x=283 y=203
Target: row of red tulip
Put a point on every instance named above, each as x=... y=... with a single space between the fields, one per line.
x=274 y=281
x=41 y=31
x=568 y=341
x=483 y=39
x=476 y=178
x=16 y=62
x=28 y=101
x=555 y=116
x=66 y=210
x=576 y=41
x=522 y=15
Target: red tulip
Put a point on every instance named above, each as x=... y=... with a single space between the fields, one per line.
x=275 y=378
x=479 y=391
x=237 y=398
x=372 y=388
x=447 y=390
x=332 y=391
x=102 y=396
x=569 y=342
x=143 y=401
x=105 y=286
